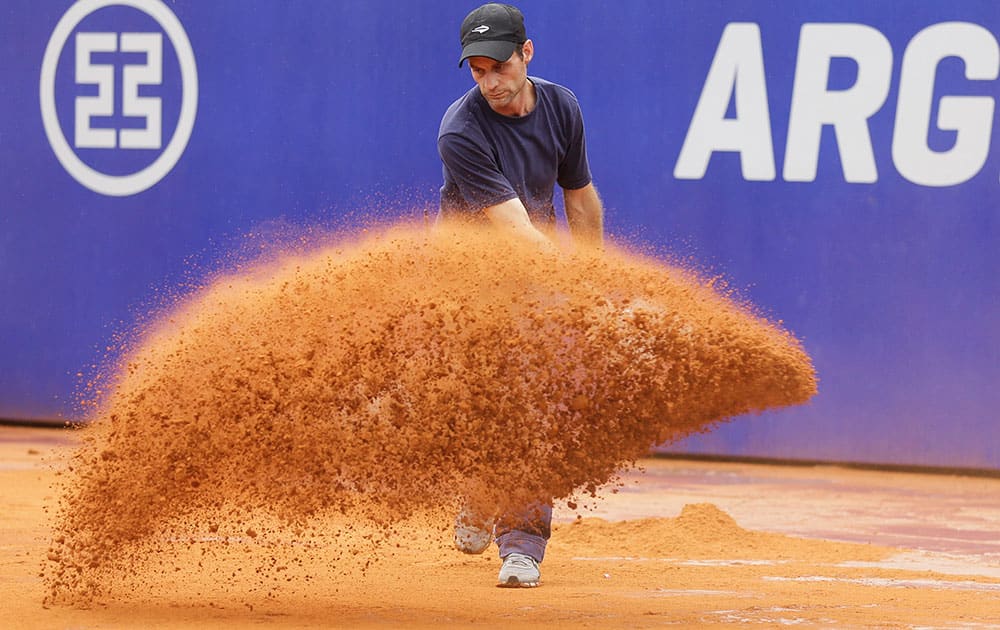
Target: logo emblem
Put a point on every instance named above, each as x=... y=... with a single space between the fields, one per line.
x=118 y=92
x=481 y=29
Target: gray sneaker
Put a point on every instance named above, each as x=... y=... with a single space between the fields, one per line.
x=471 y=535
x=519 y=571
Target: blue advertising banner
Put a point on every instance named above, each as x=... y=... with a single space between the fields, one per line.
x=836 y=162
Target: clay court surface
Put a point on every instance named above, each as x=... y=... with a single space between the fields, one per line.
x=759 y=546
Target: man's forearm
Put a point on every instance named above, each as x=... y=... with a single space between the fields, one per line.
x=585 y=215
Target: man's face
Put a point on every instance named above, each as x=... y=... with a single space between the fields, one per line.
x=501 y=82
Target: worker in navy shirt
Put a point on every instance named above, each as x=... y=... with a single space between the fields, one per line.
x=504 y=146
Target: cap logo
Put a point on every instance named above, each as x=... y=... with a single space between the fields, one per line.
x=481 y=29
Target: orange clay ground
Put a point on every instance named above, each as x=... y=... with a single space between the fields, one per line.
x=683 y=544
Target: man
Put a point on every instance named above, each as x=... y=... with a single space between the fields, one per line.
x=504 y=145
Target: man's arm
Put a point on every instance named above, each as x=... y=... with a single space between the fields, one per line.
x=511 y=217
x=585 y=215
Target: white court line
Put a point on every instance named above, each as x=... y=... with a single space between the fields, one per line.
x=956 y=585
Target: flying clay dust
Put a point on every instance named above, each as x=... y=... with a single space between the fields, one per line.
x=408 y=371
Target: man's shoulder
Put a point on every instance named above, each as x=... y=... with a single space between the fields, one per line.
x=558 y=93
x=459 y=115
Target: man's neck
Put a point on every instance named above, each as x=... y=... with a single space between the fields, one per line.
x=523 y=105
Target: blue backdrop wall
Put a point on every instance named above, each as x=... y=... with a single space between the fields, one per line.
x=836 y=161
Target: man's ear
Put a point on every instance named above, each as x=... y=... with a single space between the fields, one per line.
x=529 y=50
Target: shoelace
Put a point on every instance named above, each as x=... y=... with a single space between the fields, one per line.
x=523 y=562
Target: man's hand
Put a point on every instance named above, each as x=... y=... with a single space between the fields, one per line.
x=585 y=215
x=512 y=218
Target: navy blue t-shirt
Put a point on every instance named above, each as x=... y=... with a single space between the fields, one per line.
x=490 y=158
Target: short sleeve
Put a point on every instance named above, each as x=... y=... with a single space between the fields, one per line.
x=574 y=170
x=474 y=172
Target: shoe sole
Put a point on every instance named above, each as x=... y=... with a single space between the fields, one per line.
x=472 y=551
x=513 y=582
x=463 y=544
x=471 y=539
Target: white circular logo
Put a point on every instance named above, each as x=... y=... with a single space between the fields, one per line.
x=135 y=103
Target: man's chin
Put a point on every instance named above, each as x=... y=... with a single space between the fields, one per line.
x=497 y=102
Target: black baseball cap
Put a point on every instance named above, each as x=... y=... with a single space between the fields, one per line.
x=493 y=30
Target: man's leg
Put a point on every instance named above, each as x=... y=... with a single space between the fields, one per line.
x=526 y=534
x=522 y=544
